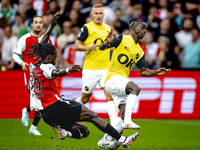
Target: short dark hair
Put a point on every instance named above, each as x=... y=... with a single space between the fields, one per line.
x=41 y=51
x=133 y=21
x=35 y=17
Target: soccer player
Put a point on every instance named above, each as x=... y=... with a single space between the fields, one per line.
x=126 y=54
x=56 y=111
x=96 y=62
x=23 y=45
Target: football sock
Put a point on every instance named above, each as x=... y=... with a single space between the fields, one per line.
x=33 y=127
x=122 y=139
x=36 y=118
x=118 y=124
x=79 y=100
x=112 y=132
x=28 y=109
x=112 y=112
x=130 y=105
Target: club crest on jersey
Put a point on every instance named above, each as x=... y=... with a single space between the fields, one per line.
x=86 y=88
x=50 y=68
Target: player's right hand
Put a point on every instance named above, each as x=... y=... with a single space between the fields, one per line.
x=75 y=68
x=54 y=19
x=93 y=47
x=24 y=65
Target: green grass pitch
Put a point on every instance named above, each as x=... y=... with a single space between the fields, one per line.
x=154 y=135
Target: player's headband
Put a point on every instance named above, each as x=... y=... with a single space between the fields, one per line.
x=138 y=20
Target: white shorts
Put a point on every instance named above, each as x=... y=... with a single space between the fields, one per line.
x=91 y=78
x=116 y=86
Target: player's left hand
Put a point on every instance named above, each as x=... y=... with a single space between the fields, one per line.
x=54 y=19
x=75 y=68
x=162 y=71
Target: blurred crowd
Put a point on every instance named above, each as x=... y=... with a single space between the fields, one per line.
x=172 y=39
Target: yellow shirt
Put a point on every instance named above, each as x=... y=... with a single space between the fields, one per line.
x=124 y=57
x=97 y=59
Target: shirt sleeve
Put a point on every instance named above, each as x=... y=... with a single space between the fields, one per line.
x=141 y=63
x=20 y=46
x=118 y=39
x=47 y=70
x=83 y=34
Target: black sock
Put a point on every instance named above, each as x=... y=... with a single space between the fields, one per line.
x=28 y=109
x=36 y=118
x=112 y=132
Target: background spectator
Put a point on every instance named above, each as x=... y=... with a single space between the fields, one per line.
x=70 y=55
x=120 y=25
x=190 y=58
x=9 y=44
x=30 y=12
x=7 y=11
x=47 y=20
x=185 y=32
x=67 y=37
x=40 y=6
x=152 y=51
x=19 y=29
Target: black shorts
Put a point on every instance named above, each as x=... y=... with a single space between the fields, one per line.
x=62 y=114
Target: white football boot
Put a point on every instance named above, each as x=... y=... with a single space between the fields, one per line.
x=129 y=140
x=25 y=117
x=132 y=125
x=34 y=132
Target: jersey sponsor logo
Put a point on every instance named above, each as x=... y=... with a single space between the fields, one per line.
x=126 y=48
x=124 y=59
x=98 y=41
x=86 y=88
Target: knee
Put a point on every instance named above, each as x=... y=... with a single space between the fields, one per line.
x=138 y=89
x=85 y=99
x=132 y=88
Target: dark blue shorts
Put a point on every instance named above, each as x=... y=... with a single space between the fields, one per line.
x=62 y=114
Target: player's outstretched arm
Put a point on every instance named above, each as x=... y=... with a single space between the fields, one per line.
x=80 y=47
x=148 y=73
x=106 y=44
x=62 y=72
x=46 y=36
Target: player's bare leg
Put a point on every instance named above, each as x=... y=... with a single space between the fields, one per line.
x=84 y=98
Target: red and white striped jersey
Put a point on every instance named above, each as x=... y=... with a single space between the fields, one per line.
x=23 y=46
x=43 y=88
